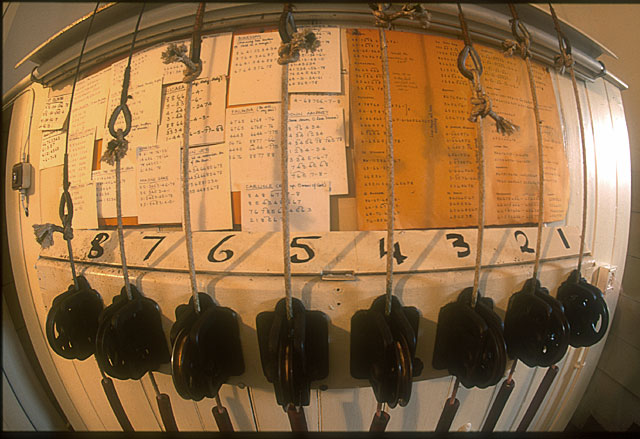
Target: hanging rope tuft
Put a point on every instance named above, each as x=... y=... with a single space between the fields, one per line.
x=412 y=11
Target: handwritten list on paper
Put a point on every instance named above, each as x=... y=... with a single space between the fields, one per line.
x=159 y=191
x=90 y=103
x=55 y=112
x=435 y=152
x=318 y=71
x=254 y=144
x=144 y=105
x=206 y=124
x=146 y=65
x=308 y=207
x=209 y=188
x=214 y=53
x=307 y=102
x=85 y=215
x=105 y=181
x=207 y=115
x=317 y=149
x=81 y=156
x=255 y=75
x=171 y=131
x=52 y=149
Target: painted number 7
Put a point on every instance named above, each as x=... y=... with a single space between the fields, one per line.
x=150 y=252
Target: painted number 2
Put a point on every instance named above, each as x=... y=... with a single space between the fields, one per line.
x=524 y=248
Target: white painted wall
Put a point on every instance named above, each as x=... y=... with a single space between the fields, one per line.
x=613 y=396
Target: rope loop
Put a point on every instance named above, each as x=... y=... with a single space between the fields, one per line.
x=116 y=148
x=124 y=109
x=469 y=50
x=65 y=211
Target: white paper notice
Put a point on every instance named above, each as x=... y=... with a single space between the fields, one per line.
x=256 y=76
x=209 y=188
x=171 y=131
x=85 y=214
x=159 y=185
x=55 y=112
x=52 y=149
x=317 y=149
x=144 y=105
x=81 y=156
x=146 y=65
x=89 y=109
x=214 y=53
x=254 y=144
x=318 y=71
x=206 y=125
x=309 y=102
x=105 y=181
x=308 y=207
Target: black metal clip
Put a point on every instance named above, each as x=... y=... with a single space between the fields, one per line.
x=130 y=341
x=535 y=326
x=383 y=350
x=206 y=348
x=72 y=321
x=470 y=341
x=586 y=310
x=293 y=351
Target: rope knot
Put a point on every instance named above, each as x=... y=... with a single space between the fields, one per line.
x=413 y=11
x=44 y=233
x=178 y=53
x=116 y=148
x=480 y=106
x=509 y=47
x=562 y=62
x=290 y=52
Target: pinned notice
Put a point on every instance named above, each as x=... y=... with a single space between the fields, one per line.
x=209 y=188
x=254 y=144
x=159 y=185
x=52 y=149
x=308 y=207
x=81 y=156
x=318 y=71
x=317 y=149
x=55 y=112
x=85 y=214
x=90 y=103
x=105 y=181
x=256 y=76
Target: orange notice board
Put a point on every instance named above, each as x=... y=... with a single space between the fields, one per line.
x=434 y=142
